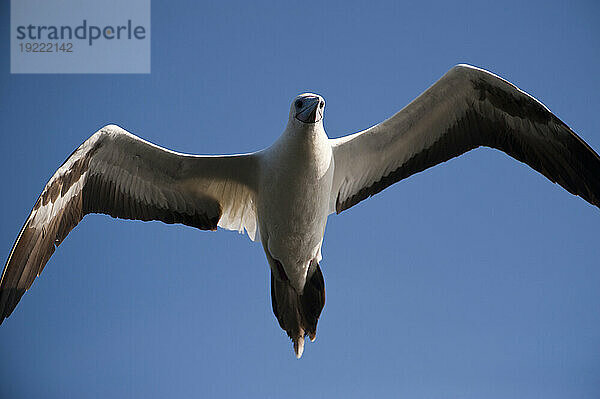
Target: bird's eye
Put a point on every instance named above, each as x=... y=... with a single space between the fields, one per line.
x=321 y=104
x=298 y=103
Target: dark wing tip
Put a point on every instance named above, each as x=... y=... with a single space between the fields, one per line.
x=30 y=253
x=547 y=144
x=9 y=299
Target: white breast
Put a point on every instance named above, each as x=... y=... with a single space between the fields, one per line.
x=293 y=200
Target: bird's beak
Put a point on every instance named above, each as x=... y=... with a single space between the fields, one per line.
x=311 y=112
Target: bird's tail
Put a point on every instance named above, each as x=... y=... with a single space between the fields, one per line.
x=298 y=314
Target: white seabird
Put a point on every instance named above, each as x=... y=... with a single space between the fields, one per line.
x=287 y=191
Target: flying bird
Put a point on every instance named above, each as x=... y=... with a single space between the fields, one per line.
x=283 y=195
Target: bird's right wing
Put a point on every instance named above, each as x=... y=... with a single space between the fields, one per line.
x=117 y=173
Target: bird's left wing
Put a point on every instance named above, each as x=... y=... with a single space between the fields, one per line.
x=116 y=173
x=467 y=108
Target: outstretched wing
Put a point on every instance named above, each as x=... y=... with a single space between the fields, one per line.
x=467 y=108
x=119 y=174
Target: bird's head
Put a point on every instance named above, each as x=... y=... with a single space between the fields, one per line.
x=307 y=109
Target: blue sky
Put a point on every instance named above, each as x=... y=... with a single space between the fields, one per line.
x=475 y=279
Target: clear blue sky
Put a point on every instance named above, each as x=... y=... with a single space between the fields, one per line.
x=476 y=279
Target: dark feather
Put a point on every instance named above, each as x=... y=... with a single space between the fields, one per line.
x=298 y=314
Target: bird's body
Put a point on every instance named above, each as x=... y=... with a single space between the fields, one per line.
x=293 y=198
x=285 y=193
